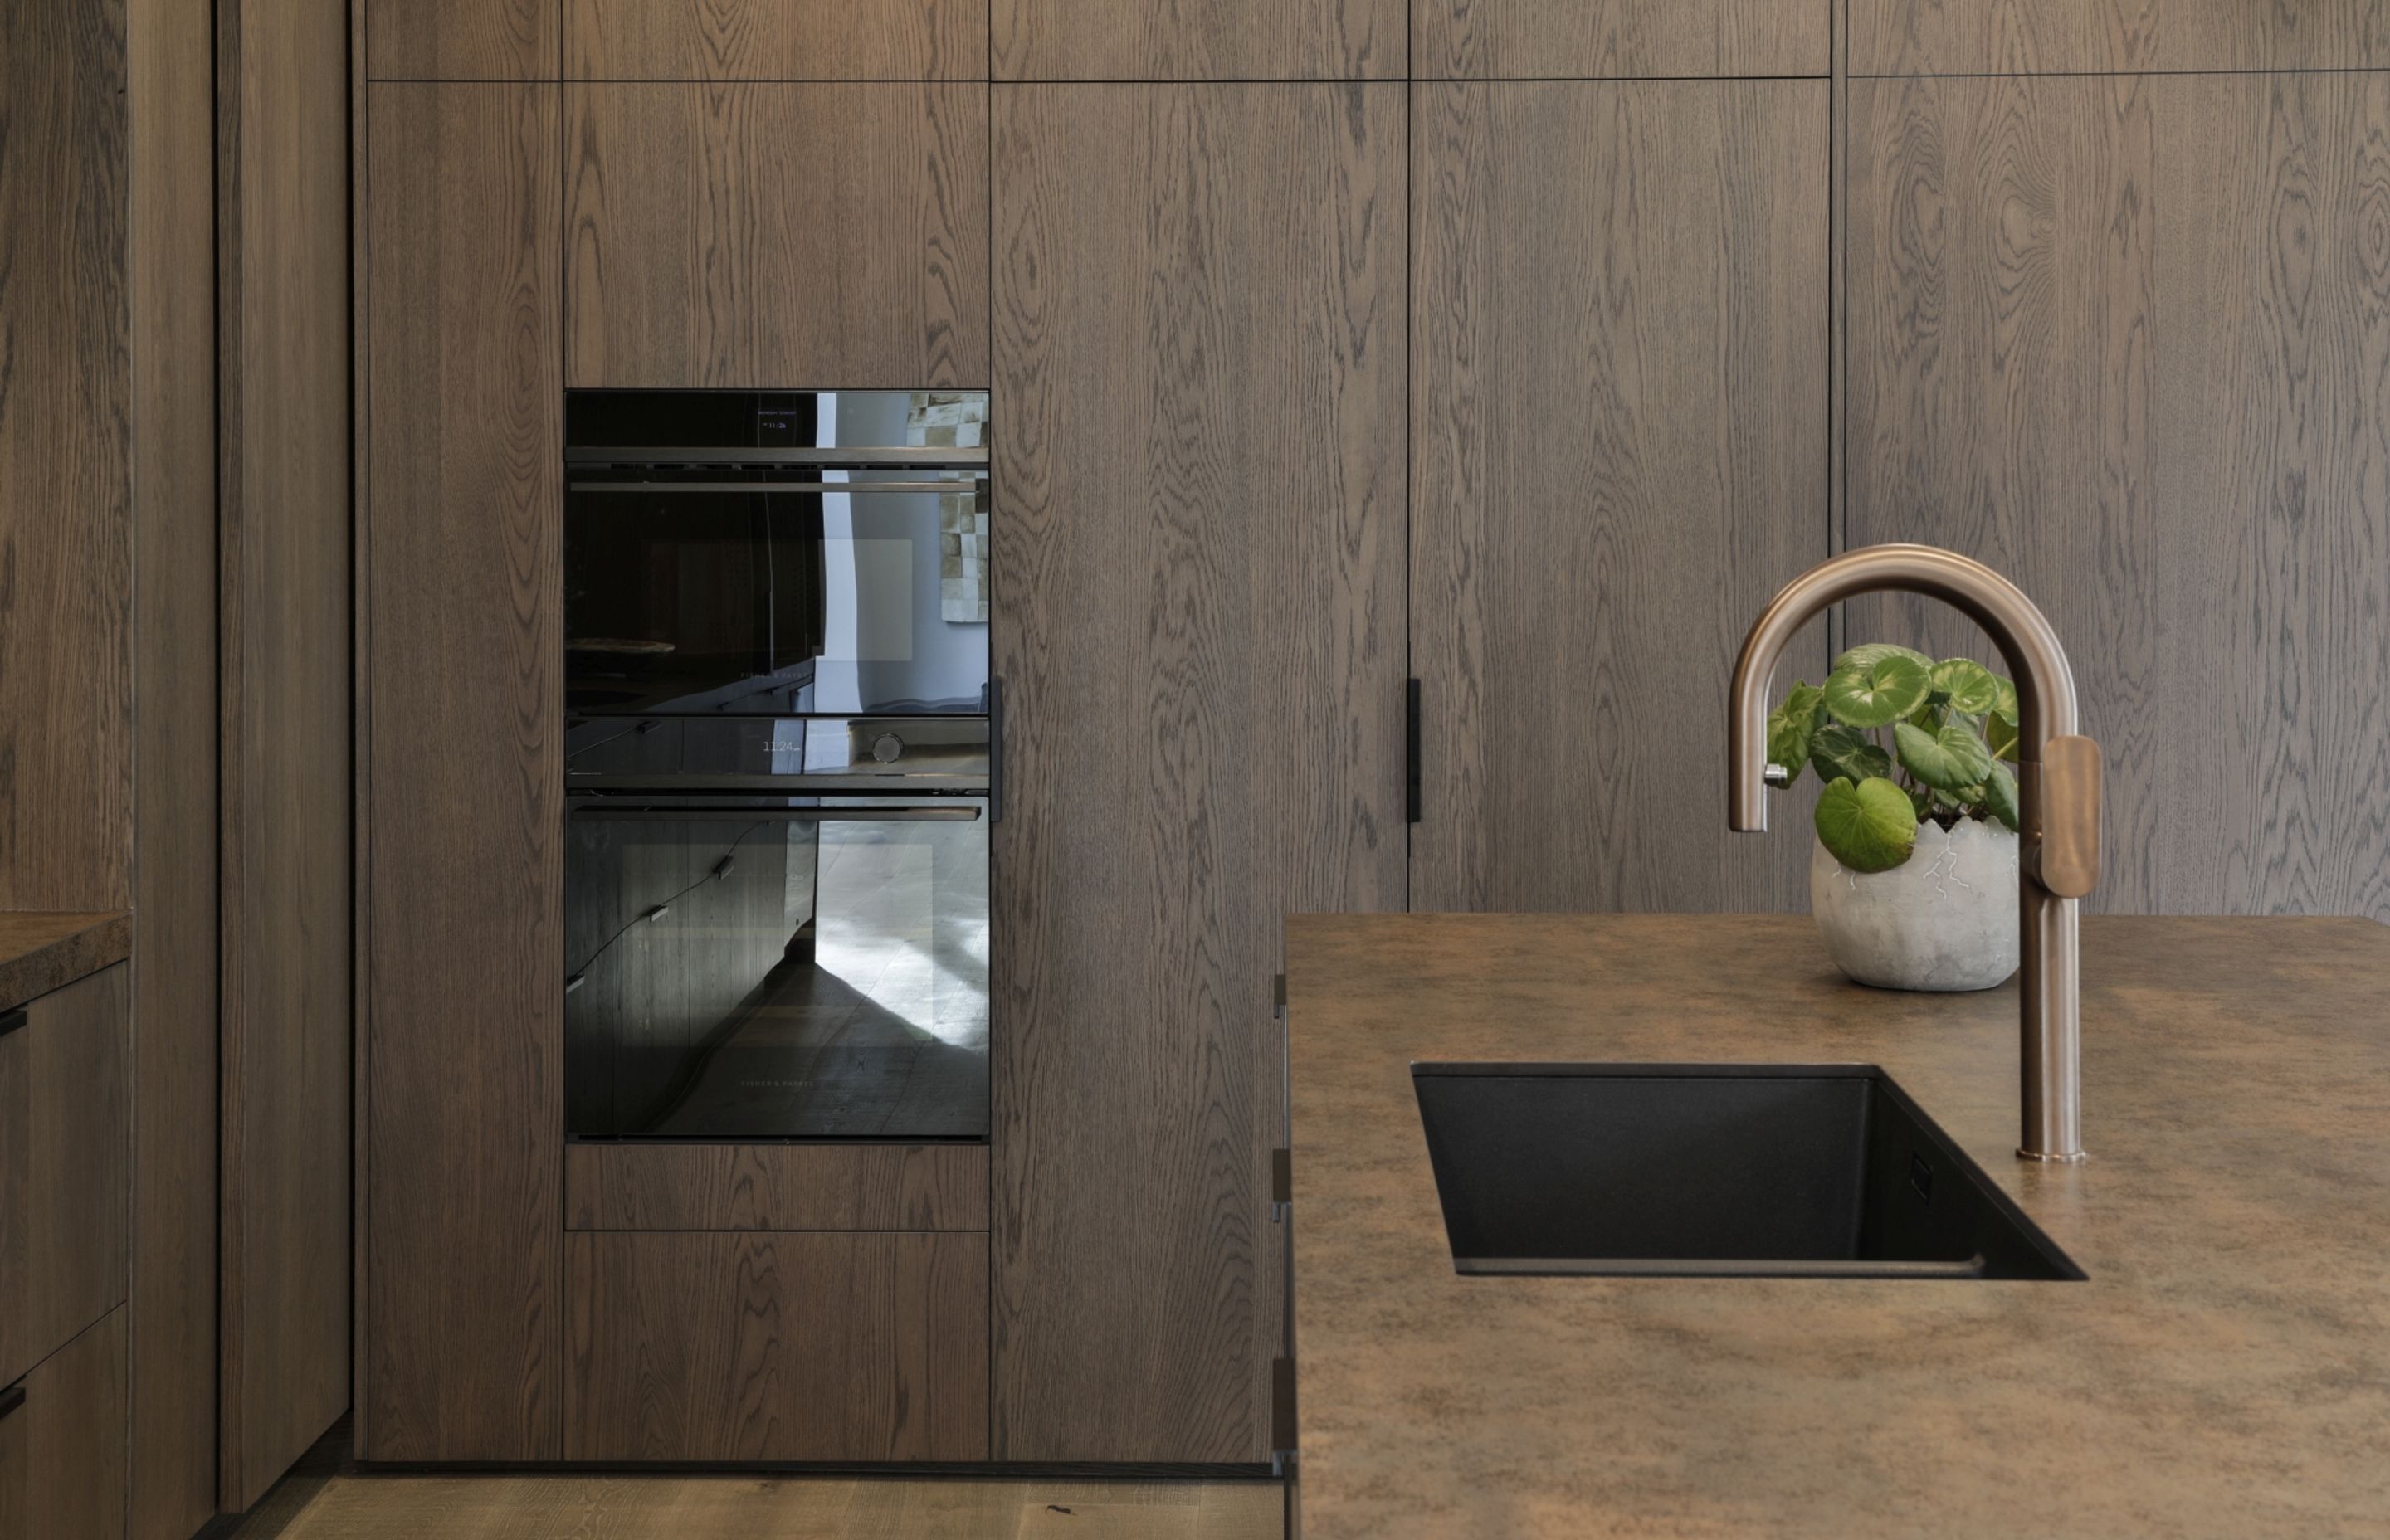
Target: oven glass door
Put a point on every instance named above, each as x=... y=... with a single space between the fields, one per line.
x=777 y=967
x=825 y=592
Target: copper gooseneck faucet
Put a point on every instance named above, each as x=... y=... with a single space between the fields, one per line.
x=2058 y=784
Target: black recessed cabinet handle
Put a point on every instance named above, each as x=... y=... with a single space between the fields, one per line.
x=10 y=1399
x=11 y=1021
x=995 y=751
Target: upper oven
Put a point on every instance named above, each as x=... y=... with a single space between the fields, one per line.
x=792 y=554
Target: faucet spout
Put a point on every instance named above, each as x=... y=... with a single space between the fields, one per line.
x=2058 y=792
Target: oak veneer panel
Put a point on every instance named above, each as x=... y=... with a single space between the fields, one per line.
x=171 y=1317
x=1215 y=39
x=1618 y=444
x=65 y=1092
x=2128 y=340
x=62 y=1452
x=774 y=236
x=1198 y=531
x=1957 y=37
x=775 y=1187
x=762 y=1346
x=1583 y=39
x=464 y=998
x=661 y=40
x=285 y=837
x=66 y=519
x=463 y=39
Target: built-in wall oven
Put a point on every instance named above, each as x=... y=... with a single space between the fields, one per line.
x=778 y=768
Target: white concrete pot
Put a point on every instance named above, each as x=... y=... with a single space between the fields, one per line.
x=1943 y=919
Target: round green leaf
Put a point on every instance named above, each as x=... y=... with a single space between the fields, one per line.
x=1790 y=725
x=1867 y=654
x=1847 y=753
x=1951 y=760
x=2000 y=795
x=1869 y=827
x=2006 y=704
x=2001 y=735
x=1972 y=687
x=1877 y=694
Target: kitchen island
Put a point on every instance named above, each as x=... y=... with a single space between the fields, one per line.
x=2225 y=1371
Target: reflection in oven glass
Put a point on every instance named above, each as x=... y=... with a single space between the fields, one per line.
x=802 y=979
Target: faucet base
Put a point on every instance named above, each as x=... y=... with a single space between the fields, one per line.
x=2074 y=1160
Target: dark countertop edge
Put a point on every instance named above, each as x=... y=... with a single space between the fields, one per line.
x=64 y=947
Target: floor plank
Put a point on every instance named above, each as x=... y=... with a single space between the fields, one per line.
x=733 y=1508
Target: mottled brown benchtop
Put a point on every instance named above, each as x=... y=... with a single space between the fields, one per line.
x=41 y=950
x=2225 y=1372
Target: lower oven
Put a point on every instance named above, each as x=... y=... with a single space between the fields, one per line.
x=749 y=966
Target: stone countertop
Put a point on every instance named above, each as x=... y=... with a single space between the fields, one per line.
x=41 y=950
x=2225 y=1371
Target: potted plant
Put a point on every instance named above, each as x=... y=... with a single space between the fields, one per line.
x=1914 y=879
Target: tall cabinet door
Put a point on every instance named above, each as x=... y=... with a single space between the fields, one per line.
x=1198 y=546
x=1618 y=453
x=461 y=721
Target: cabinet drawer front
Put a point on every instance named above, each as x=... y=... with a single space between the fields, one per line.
x=736 y=1186
x=785 y=40
x=63 y=1184
x=62 y=1442
x=777 y=1346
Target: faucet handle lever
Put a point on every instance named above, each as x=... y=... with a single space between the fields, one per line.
x=2066 y=860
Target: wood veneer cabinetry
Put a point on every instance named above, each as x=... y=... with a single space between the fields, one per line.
x=775 y=1187
x=284 y=840
x=65 y=1093
x=777 y=1346
x=775 y=235
x=1155 y=40
x=461 y=738
x=458 y=40
x=62 y=1449
x=1618 y=444
x=1199 y=542
x=783 y=40
x=2125 y=340
x=1963 y=37
x=1590 y=39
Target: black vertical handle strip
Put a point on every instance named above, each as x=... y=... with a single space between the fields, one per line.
x=12 y=1021
x=995 y=751
x=1411 y=750
x=10 y=1399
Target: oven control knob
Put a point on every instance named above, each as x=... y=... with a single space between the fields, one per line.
x=886 y=748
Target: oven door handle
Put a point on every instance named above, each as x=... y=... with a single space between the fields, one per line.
x=914 y=488
x=648 y=813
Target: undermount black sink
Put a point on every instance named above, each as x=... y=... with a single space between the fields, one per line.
x=1715 y=1171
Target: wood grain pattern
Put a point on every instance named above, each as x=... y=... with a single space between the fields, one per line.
x=66 y=532
x=1619 y=455
x=1210 y=40
x=2125 y=340
x=820 y=1346
x=659 y=40
x=777 y=236
x=41 y=950
x=1593 y=39
x=732 y=1187
x=1949 y=37
x=464 y=1005
x=64 y=1093
x=795 y=1508
x=463 y=39
x=70 y=1438
x=284 y=839
x=1199 y=536
x=171 y=1317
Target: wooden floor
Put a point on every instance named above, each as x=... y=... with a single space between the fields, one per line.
x=729 y=1508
